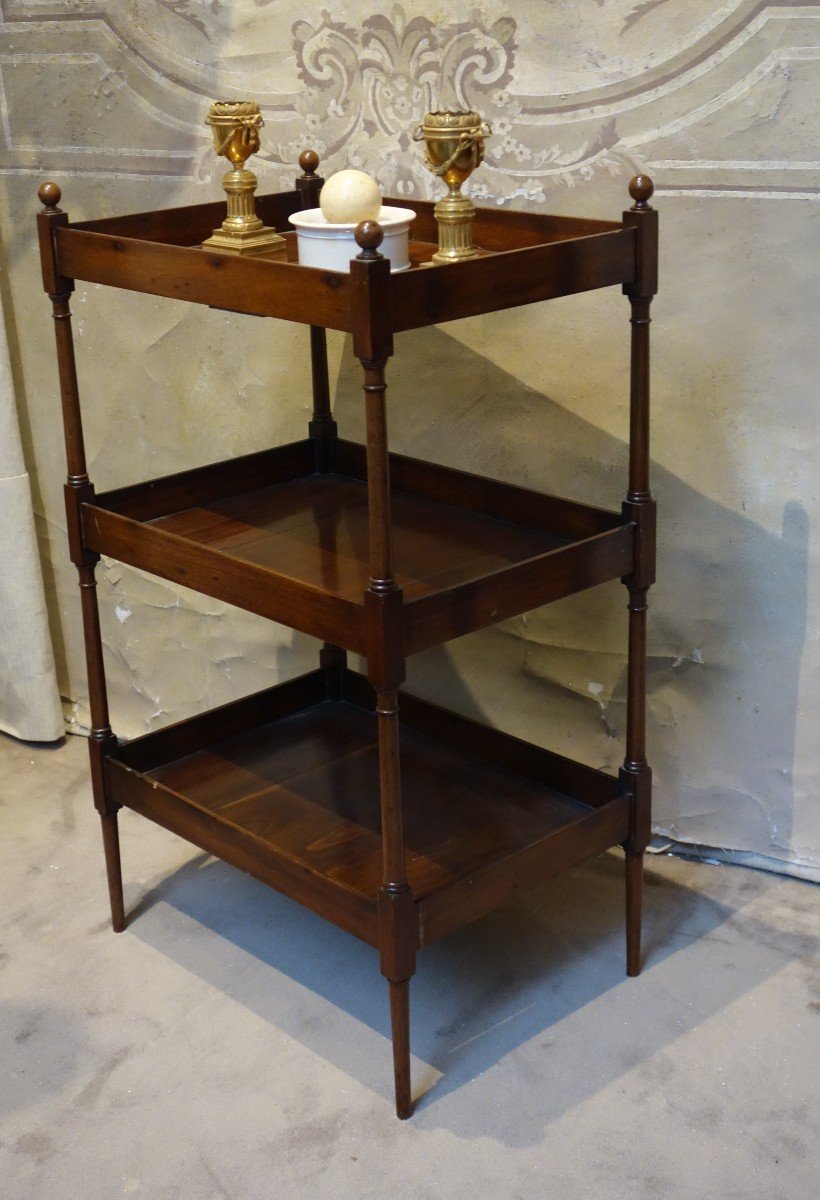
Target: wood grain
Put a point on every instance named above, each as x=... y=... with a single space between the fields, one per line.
x=256 y=285
x=305 y=788
x=532 y=258
x=191 y=224
x=429 y=296
x=299 y=550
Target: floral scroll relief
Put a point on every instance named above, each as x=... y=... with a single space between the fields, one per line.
x=367 y=87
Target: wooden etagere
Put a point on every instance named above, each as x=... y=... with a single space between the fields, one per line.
x=395 y=819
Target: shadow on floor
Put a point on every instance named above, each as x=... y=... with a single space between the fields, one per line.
x=486 y=1001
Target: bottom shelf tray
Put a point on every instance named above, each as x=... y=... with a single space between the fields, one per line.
x=285 y=785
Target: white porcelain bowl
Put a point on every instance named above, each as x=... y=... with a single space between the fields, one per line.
x=322 y=244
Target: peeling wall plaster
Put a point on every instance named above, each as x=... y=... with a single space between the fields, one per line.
x=715 y=101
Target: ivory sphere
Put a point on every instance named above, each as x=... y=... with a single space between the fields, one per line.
x=349 y=197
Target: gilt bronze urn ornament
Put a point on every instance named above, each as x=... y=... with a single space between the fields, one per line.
x=454 y=147
x=235 y=125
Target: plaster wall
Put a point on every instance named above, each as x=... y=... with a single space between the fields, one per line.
x=718 y=102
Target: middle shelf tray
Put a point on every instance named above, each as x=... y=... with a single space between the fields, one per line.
x=274 y=535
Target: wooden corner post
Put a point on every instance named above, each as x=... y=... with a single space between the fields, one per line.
x=78 y=490
x=322 y=427
x=640 y=508
x=398 y=925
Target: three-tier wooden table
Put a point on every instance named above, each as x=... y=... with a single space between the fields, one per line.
x=391 y=817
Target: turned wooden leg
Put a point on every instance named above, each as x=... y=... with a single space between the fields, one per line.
x=634 y=896
x=384 y=633
x=111 y=845
x=400 y=1023
x=640 y=509
x=78 y=491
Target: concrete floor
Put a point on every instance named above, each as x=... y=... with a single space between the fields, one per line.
x=229 y=1044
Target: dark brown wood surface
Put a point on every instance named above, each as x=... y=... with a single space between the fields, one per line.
x=216 y=481
x=78 y=489
x=498 y=229
x=245 y=850
x=451 y=611
x=159 y=254
x=428 y=296
x=246 y=284
x=494 y=229
x=493 y=746
x=640 y=508
x=496 y=882
x=192 y=224
x=315 y=530
x=478 y=494
x=300 y=551
x=228 y=720
x=304 y=788
x=209 y=569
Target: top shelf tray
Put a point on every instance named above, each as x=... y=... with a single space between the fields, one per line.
x=528 y=257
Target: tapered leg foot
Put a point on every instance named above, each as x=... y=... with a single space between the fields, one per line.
x=400 y=1022
x=111 y=844
x=634 y=895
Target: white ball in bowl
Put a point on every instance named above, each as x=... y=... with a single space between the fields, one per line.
x=349 y=197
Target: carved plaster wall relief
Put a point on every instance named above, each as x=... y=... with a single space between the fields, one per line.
x=686 y=94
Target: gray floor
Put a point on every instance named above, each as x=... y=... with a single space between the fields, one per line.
x=229 y=1044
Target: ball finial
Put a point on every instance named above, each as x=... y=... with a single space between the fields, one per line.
x=369 y=234
x=49 y=195
x=641 y=188
x=309 y=161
